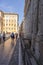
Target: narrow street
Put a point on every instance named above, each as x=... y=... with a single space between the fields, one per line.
x=13 y=53
x=21 y=32
x=22 y=56
x=6 y=51
x=15 y=57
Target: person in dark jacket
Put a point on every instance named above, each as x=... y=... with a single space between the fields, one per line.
x=3 y=36
x=12 y=36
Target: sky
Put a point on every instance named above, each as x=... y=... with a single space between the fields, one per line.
x=14 y=6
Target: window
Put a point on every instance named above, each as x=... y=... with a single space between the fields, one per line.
x=9 y=24
x=9 y=28
x=6 y=28
x=3 y=24
x=12 y=24
x=9 y=20
x=3 y=28
x=6 y=20
x=12 y=20
x=12 y=28
x=6 y=24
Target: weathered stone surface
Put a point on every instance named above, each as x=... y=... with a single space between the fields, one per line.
x=33 y=27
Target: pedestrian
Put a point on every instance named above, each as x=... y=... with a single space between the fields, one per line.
x=12 y=36
x=3 y=36
x=16 y=35
x=20 y=35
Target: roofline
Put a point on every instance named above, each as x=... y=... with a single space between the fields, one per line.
x=10 y=13
x=7 y=13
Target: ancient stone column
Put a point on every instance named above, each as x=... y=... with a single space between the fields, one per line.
x=39 y=39
x=34 y=22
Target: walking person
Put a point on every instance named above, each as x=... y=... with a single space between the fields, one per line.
x=3 y=36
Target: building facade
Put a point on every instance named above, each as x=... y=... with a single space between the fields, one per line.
x=27 y=19
x=1 y=21
x=10 y=23
x=21 y=30
x=33 y=26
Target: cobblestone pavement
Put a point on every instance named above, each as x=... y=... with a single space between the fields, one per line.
x=15 y=57
x=6 y=51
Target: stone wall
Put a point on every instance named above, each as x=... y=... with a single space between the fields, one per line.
x=40 y=30
x=33 y=27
